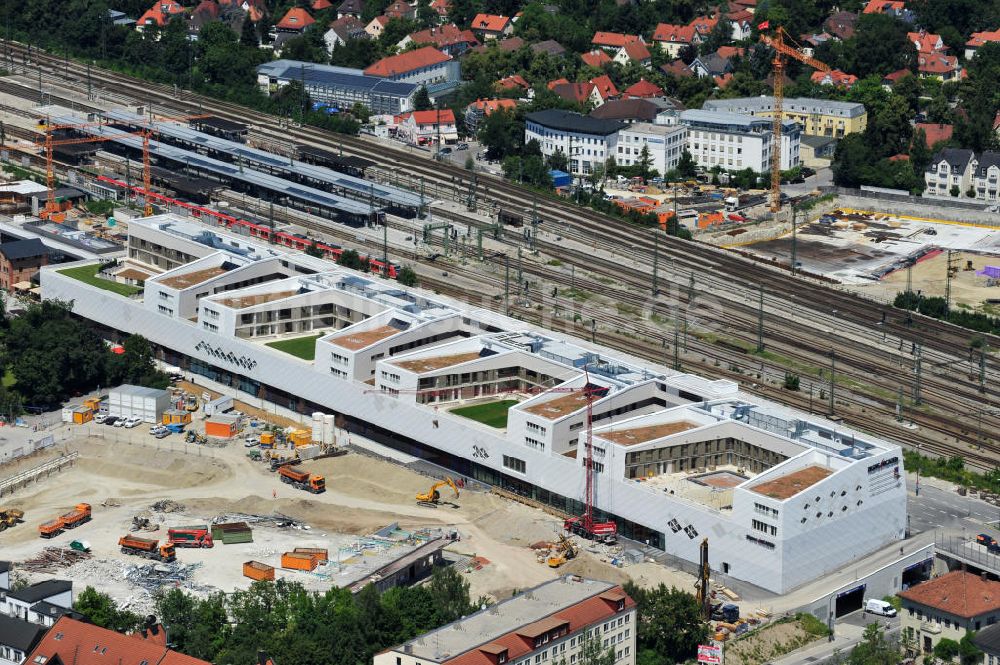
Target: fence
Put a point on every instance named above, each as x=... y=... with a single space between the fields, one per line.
x=17 y=481
x=968 y=551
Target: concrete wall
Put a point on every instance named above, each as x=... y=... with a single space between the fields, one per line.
x=914 y=206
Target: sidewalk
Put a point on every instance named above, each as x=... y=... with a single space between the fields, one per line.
x=845 y=637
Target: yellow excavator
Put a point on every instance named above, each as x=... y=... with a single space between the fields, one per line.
x=564 y=551
x=433 y=496
x=10 y=517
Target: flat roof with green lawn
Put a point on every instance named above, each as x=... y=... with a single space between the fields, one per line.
x=302 y=347
x=88 y=275
x=493 y=414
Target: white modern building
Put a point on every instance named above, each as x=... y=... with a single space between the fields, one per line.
x=784 y=497
x=735 y=142
x=550 y=623
x=587 y=142
x=338 y=87
x=665 y=143
x=950 y=173
x=817 y=117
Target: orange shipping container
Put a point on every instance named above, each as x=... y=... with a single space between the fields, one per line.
x=320 y=553
x=298 y=561
x=256 y=570
x=220 y=429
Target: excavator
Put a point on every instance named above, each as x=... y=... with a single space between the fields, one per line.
x=433 y=496
x=564 y=551
x=10 y=517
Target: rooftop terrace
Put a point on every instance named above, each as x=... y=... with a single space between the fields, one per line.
x=790 y=484
x=190 y=279
x=362 y=338
x=637 y=435
x=560 y=406
x=241 y=302
x=422 y=365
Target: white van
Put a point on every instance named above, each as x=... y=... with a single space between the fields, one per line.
x=880 y=607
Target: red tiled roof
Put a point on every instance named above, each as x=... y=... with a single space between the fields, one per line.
x=444 y=35
x=395 y=65
x=668 y=32
x=894 y=77
x=320 y=5
x=77 y=642
x=636 y=51
x=488 y=106
x=605 y=86
x=959 y=593
x=615 y=39
x=704 y=24
x=442 y=7
x=399 y=9
x=842 y=24
x=835 y=77
x=585 y=613
x=740 y=16
x=936 y=63
x=926 y=42
x=882 y=6
x=935 y=131
x=573 y=92
x=596 y=58
x=382 y=19
x=724 y=80
x=553 y=83
x=979 y=38
x=643 y=89
x=901 y=157
x=433 y=117
x=208 y=8
x=677 y=68
x=295 y=18
x=514 y=81
x=728 y=52
x=160 y=13
x=490 y=22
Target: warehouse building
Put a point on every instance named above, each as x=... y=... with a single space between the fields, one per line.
x=785 y=497
x=817 y=117
x=339 y=87
x=552 y=622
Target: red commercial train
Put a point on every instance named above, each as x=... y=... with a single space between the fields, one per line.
x=260 y=231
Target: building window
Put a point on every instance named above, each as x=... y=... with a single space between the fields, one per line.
x=514 y=464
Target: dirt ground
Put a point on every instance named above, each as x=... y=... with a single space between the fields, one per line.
x=929 y=276
x=363 y=494
x=767 y=643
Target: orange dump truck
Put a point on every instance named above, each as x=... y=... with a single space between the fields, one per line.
x=299 y=561
x=51 y=528
x=302 y=480
x=148 y=548
x=79 y=515
x=256 y=570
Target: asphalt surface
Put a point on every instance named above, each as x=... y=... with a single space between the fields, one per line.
x=936 y=508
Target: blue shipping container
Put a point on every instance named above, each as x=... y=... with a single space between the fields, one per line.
x=560 y=178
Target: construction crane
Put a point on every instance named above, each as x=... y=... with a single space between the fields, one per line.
x=433 y=495
x=781 y=52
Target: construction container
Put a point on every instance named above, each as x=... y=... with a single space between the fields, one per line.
x=93 y=403
x=219 y=529
x=82 y=414
x=267 y=438
x=222 y=426
x=321 y=553
x=300 y=437
x=129 y=401
x=256 y=570
x=176 y=417
x=308 y=452
x=299 y=561
x=234 y=537
x=218 y=406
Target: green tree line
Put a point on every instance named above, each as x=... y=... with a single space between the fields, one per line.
x=937 y=307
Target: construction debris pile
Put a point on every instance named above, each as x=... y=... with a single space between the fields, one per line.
x=274 y=519
x=52 y=559
x=167 y=506
x=153 y=576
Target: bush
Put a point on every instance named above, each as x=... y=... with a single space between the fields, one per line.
x=791 y=381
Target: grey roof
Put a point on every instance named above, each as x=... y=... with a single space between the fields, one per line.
x=730 y=121
x=550 y=46
x=351 y=7
x=23 y=249
x=957 y=158
x=626 y=109
x=4 y=566
x=45 y=608
x=764 y=103
x=574 y=122
x=988 y=639
x=19 y=634
x=328 y=76
x=986 y=160
x=817 y=141
x=714 y=63
x=40 y=591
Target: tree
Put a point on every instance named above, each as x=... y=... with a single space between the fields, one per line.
x=102 y=611
x=880 y=46
x=558 y=160
x=248 y=34
x=644 y=165
x=686 y=166
x=350 y=258
x=670 y=624
x=502 y=133
x=314 y=250
x=850 y=161
x=422 y=100
x=720 y=35
x=406 y=276
x=361 y=112
x=873 y=649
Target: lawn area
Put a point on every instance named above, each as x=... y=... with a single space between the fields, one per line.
x=88 y=275
x=303 y=347
x=493 y=414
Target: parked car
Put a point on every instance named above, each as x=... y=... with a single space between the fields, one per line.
x=162 y=434
x=100 y=418
x=133 y=422
x=462 y=146
x=111 y=420
x=120 y=422
x=880 y=607
x=985 y=539
x=156 y=429
x=445 y=151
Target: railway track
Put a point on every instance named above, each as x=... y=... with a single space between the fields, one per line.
x=712 y=266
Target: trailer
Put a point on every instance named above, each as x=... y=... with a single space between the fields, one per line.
x=147 y=548
x=303 y=480
x=190 y=536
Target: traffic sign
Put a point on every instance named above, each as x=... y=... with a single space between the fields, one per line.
x=709 y=654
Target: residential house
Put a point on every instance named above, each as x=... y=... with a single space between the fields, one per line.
x=492 y=26
x=948 y=606
x=927 y=42
x=587 y=142
x=551 y=85
x=295 y=21
x=817 y=151
x=353 y=8
x=575 y=93
x=508 y=45
x=442 y=7
x=987 y=640
x=841 y=25
x=986 y=176
x=939 y=66
x=423 y=66
x=427 y=127
x=596 y=58
x=703 y=25
x=446 y=38
x=674 y=38
x=894 y=8
x=722 y=80
x=643 y=89
x=735 y=142
x=517 y=83
x=206 y=12
x=951 y=169
x=159 y=14
x=254 y=10
x=376 y=26
x=978 y=39
x=811 y=42
x=677 y=68
x=20 y=261
x=891 y=79
x=549 y=46
x=816 y=117
x=19 y=603
x=711 y=64
x=934 y=132
x=480 y=109
x=320 y=5
x=634 y=52
x=344 y=29
x=613 y=41
x=605 y=89
x=740 y=25
x=71 y=641
x=120 y=18
x=749 y=5
x=401 y=10
x=835 y=78
x=17 y=638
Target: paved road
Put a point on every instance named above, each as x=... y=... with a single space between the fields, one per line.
x=938 y=508
x=850 y=629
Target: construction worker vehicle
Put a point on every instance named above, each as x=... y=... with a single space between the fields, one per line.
x=148 y=548
x=190 y=536
x=433 y=495
x=10 y=517
x=564 y=551
x=303 y=480
x=603 y=532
